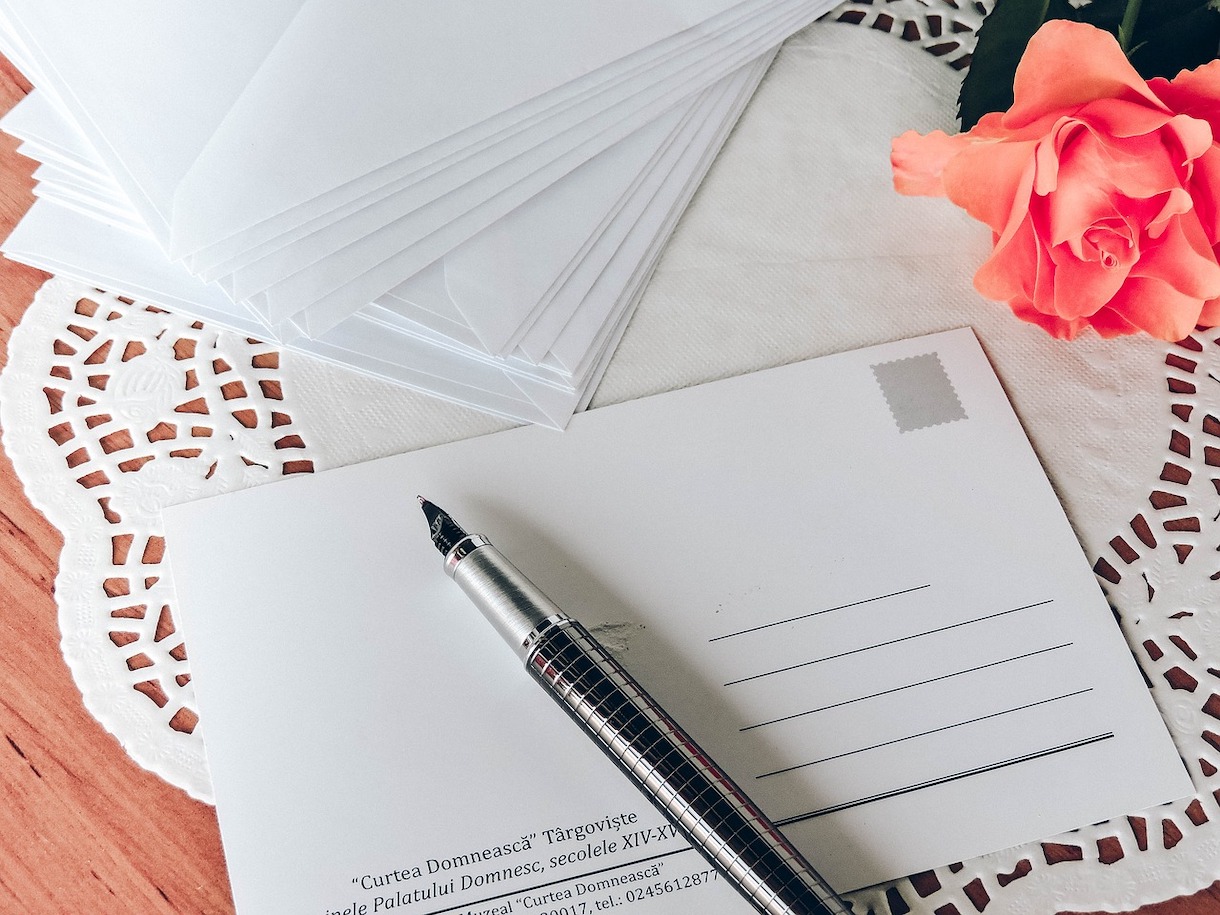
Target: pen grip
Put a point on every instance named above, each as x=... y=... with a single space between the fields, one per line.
x=685 y=785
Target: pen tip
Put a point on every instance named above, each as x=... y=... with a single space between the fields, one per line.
x=445 y=532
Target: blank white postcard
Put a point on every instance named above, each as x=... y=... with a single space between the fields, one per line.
x=849 y=579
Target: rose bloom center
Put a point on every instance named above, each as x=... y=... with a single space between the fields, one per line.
x=1108 y=243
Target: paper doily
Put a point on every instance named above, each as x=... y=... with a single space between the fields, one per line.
x=125 y=410
x=111 y=411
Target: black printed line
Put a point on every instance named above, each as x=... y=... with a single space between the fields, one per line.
x=905 y=638
x=947 y=727
x=543 y=886
x=805 y=616
x=898 y=689
x=945 y=779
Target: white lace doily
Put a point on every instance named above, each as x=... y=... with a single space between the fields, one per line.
x=111 y=411
x=120 y=411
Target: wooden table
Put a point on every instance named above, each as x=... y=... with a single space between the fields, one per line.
x=83 y=829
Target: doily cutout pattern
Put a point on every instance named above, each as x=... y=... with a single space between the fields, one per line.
x=127 y=409
x=943 y=28
x=121 y=411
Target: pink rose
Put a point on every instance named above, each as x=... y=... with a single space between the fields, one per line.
x=1102 y=190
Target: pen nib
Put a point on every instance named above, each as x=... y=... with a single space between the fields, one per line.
x=445 y=532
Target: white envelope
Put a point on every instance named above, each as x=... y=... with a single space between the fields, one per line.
x=48 y=122
x=149 y=280
x=588 y=305
x=97 y=187
x=81 y=203
x=530 y=255
x=425 y=300
x=543 y=116
x=438 y=353
x=111 y=62
x=343 y=250
x=374 y=265
x=680 y=168
x=14 y=49
x=501 y=277
x=37 y=119
x=65 y=243
x=492 y=279
x=430 y=70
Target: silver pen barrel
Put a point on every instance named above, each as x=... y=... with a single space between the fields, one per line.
x=662 y=760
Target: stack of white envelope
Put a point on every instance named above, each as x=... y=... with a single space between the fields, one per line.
x=464 y=197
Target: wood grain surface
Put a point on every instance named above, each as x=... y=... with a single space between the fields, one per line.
x=83 y=829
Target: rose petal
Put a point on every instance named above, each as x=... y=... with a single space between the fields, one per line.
x=1084 y=287
x=1024 y=262
x=1012 y=268
x=1022 y=199
x=1046 y=278
x=1098 y=69
x=1174 y=204
x=1138 y=166
x=992 y=127
x=1210 y=315
x=1050 y=149
x=1098 y=177
x=919 y=161
x=1109 y=323
x=1157 y=308
x=985 y=179
x=1182 y=259
x=1204 y=190
x=1084 y=196
x=1194 y=92
x=1118 y=117
x=1052 y=324
x=1194 y=134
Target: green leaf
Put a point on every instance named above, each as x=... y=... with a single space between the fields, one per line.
x=1001 y=41
x=1155 y=13
x=1172 y=45
x=1161 y=38
x=1109 y=14
x=1169 y=24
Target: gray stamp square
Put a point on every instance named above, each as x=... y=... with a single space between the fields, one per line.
x=918 y=392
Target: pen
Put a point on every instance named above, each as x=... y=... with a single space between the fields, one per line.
x=704 y=804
